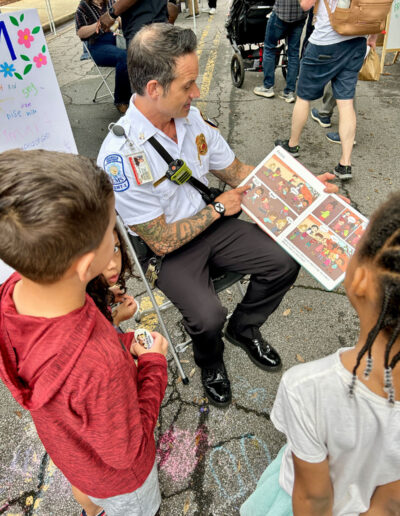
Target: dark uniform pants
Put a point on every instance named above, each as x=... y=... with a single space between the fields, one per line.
x=232 y=245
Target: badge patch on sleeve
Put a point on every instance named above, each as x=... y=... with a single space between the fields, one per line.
x=114 y=166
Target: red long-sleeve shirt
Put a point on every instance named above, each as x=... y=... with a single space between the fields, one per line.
x=93 y=409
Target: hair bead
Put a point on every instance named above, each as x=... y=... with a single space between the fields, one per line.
x=368 y=367
x=352 y=386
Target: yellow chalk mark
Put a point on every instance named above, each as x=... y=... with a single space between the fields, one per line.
x=37 y=503
x=208 y=73
x=150 y=321
x=29 y=501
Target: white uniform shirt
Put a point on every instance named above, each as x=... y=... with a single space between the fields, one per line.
x=323 y=33
x=361 y=435
x=138 y=204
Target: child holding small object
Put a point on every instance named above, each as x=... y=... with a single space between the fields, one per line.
x=109 y=287
x=94 y=409
x=341 y=414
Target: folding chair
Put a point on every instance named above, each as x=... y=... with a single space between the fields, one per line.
x=103 y=81
x=222 y=280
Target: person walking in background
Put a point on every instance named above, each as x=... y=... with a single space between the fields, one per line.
x=286 y=21
x=329 y=56
x=212 y=4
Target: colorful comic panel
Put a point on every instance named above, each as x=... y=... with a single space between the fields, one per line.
x=291 y=188
x=355 y=237
x=267 y=207
x=328 y=210
x=321 y=246
x=346 y=224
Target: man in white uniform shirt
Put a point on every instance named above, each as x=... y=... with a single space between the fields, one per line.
x=176 y=223
x=329 y=56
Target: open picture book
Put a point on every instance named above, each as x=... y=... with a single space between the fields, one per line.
x=319 y=230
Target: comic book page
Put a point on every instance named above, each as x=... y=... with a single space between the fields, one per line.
x=319 y=230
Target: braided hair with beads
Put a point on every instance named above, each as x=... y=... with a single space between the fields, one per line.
x=381 y=247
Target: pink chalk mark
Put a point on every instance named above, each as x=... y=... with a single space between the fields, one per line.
x=178 y=452
x=25 y=37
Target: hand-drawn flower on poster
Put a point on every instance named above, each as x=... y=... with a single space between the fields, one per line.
x=26 y=36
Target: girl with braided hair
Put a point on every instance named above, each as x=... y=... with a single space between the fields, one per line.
x=341 y=414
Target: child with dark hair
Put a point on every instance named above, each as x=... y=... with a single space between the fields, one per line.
x=109 y=287
x=94 y=409
x=341 y=414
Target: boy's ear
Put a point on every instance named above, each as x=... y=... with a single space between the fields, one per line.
x=83 y=266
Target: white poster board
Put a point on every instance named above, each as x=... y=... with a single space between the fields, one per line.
x=393 y=31
x=391 y=43
x=32 y=111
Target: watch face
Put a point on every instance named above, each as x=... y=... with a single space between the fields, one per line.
x=219 y=207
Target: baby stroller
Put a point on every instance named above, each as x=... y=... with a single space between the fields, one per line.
x=245 y=27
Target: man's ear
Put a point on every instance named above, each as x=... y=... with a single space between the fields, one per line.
x=154 y=89
x=83 y=266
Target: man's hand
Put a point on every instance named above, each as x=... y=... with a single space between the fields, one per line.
x=329 y=187
x=371 y=41
x=160 y=345
x=106 y=21
x=232 y=200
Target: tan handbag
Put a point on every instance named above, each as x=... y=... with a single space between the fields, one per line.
x=371 y=69
x=361 y=18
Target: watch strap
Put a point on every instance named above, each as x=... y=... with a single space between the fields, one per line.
x=111 y=13
x=214 y=203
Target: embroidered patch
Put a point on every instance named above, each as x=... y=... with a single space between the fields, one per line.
x=114 y=166
x=201 y=145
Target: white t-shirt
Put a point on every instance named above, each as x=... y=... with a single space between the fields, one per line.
x=323 y=33
x=201 y=146
x=361 y=435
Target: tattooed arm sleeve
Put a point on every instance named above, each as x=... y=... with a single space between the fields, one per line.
x=234 y=174
x=164 y=238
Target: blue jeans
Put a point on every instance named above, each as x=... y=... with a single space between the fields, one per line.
x=278 y=29
x=105 y=53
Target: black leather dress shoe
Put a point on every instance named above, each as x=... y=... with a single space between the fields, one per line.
x=217 y=385
x=259 y=351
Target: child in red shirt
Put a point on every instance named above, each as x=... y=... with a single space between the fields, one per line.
x=93 y=408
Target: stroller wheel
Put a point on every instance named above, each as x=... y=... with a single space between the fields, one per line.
x=237 y=70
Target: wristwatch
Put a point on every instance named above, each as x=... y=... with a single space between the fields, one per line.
x=112 y=13
x=219 y=208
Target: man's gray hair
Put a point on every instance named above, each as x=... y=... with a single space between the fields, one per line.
x=153 y=52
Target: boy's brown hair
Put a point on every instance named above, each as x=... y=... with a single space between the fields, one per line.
x=54 y=207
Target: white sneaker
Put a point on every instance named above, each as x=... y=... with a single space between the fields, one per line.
x=264 y=92
x=288 y=97
x=212 y=10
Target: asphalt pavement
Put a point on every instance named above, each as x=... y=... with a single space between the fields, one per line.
x=210 y=459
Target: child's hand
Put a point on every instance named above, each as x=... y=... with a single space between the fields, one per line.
x=160 y=345
x=118 y=293
x=125 y=310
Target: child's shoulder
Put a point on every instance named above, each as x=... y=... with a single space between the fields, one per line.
x=311 y=372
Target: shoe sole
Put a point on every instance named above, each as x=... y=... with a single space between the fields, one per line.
x=261 y=366
x=266 y=95
x=343 y=177
x=338 y=142
x=214 y=403
x=322 y=124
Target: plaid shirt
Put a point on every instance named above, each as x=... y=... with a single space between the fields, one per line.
x=289 y=10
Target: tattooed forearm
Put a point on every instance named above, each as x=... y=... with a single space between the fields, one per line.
x=234 y=174
x=164 y=238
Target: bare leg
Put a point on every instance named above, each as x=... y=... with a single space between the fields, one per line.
x=347 y=129
x=299 y=119
x=91 y=508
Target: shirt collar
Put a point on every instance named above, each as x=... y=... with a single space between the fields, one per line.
x=141 y=129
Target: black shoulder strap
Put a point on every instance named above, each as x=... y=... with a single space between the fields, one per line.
x=204 y=191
